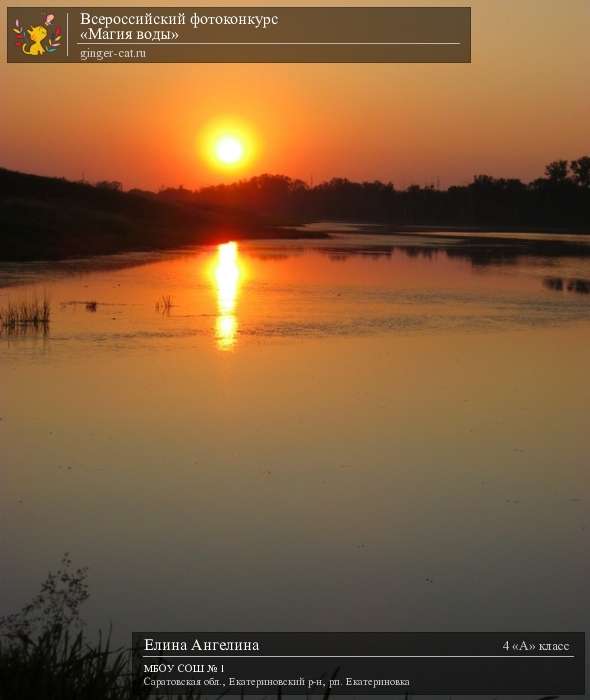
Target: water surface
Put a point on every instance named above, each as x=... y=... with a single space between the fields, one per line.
x=361 y=433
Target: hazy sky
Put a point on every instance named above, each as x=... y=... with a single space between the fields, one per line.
x=523 y=101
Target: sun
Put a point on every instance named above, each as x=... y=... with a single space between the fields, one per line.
x=229 y=150
x=228 y=144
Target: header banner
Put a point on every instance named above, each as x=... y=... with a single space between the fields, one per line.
x=239 y=35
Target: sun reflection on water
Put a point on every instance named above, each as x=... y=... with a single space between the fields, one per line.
x=227 y=280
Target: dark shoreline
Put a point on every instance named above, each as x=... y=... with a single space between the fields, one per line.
x=51 y=219
x=452 y=239
x=173 y=243
x=443 y=231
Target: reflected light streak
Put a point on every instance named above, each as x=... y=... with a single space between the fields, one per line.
x=227 y=279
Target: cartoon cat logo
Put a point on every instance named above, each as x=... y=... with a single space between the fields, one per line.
x=33 y=44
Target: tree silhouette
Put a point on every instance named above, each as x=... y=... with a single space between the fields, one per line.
x=581 y=171
x=557 y=171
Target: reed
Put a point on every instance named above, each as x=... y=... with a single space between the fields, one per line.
x=35 y=312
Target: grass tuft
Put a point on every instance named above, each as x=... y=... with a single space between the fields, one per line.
x=35 y=313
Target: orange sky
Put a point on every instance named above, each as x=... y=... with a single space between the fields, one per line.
x=522 y=102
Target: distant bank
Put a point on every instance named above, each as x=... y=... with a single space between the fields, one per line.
x=46 y=218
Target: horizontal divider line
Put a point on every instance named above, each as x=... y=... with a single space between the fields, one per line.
x=265 y=656
x=269 y=43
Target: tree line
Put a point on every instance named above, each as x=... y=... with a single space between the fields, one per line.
x=560 y=199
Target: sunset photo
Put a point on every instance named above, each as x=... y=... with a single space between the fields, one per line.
x=294 y=338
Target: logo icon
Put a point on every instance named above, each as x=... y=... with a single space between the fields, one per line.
x=38 y=39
